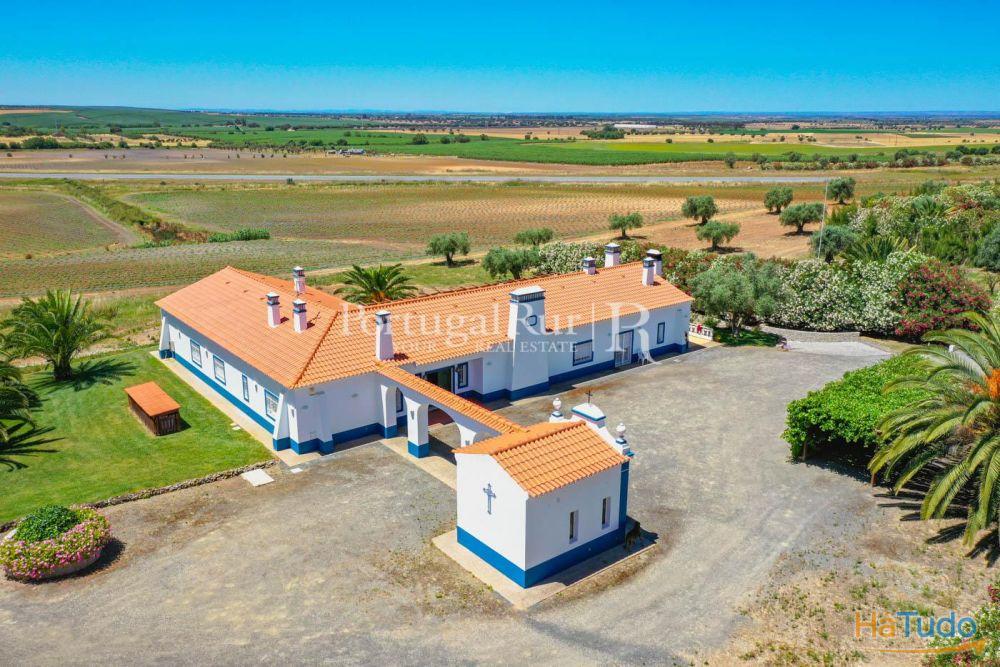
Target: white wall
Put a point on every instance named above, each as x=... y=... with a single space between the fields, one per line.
x=180 y=338
x=548 y=515
x=503 y=530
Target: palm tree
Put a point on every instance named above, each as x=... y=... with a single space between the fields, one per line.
x=16 y=401
x=874 y=248
x=955 y=427
x=376 y=284
x=56 y=327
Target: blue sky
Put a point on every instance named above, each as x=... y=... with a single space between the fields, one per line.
x=479 y=56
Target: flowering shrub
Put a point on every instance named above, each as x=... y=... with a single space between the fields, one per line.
x=836 y=297
x=934 y=296
x=33 y=560
x=566 y=257
x=987 y=631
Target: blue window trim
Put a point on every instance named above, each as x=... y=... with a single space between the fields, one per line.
x=661 y=332
x=267 y=395
x=464 y=374
x=246 y=389
x=216 y=360
x=195 y=358
x=583 y=361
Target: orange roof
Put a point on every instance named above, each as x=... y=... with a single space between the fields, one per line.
x=229 y=308
x=550 y=455
x=445 y=399
x=151 y=399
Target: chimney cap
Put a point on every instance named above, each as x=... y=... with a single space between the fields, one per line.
x=654 y=253
x=298 y=269
x=530 y=293
x=272 y=297
x=382 y=314
x=647 y=262
x=613 y=247
x=587 y=261
x=299 y=304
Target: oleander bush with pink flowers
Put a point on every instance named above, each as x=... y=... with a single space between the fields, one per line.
x=35 y=558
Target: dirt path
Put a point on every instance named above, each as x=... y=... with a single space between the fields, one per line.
x=122 y=234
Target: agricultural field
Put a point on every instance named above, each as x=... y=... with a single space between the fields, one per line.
x=34 y=222
x=411 y=213
x=179 y=264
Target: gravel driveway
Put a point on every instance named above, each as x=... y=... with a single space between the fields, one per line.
x=334 y=564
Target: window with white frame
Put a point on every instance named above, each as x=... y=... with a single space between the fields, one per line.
x=661 y=332
x=574 y=525
x=195 y=353
x=270 y=405
x=583 y=352
x=462 y=375
x=246 y=389
x=219 y=369
x=606 y=512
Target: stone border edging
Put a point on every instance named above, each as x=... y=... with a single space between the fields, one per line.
x=812 y=336
x=160 y=490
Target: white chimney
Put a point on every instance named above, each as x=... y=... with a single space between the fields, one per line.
x=612 y=255
x=299 y=315
x=657 y=258
x=589 y=265
x=527 y=312
x=648 y=271
x=299 y=278
x=273 y=310
x=383 y=336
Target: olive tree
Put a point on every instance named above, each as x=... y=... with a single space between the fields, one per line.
x=499 y=262
x=800 y=215
x=833 y=240
x=717 y=232
x=701 y=208
x=738 y=289
x=841 y=189
x=448 y=245
x=777 y=199
x=623 y=223
x=534 y=237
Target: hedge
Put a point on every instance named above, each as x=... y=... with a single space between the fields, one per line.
x=839 y=420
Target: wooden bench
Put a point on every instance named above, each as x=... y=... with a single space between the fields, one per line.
x=154 y=408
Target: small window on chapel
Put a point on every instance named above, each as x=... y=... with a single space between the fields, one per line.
x=574 y=525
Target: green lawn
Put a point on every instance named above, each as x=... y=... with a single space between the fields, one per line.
x=95 y=448
x=429 y=274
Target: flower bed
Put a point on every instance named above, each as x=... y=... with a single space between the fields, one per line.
x=68 y=552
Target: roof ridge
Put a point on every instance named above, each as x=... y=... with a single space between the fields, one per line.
x=491 y=286
x=312 y=355
x=524 y=437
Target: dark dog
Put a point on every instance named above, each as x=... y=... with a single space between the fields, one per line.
x=633 y=535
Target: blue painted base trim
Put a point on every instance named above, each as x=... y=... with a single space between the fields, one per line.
x=264 y=423
x=581 y=371
x=418 y=451
x=166 y=354
x=528 y=391
x=280 y=444
x=533 y=575
x=668 y=349
x=390 y=431
x=355 y=433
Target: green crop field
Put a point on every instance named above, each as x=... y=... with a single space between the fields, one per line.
x=33 y=222
x=173 y=265
x=545 y=151
x=411 y=213
x=101 y=118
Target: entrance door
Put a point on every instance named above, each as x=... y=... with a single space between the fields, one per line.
x=441 y=377
x=623 y=355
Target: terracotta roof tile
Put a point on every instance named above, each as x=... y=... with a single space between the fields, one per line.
x=445 y=399
x=547 y=456
x=228 y=307
x=151 y=399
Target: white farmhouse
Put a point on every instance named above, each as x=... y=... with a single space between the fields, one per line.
x=324 y=371
x=534 y=502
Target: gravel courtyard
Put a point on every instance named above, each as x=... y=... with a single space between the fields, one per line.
x=335 y=564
